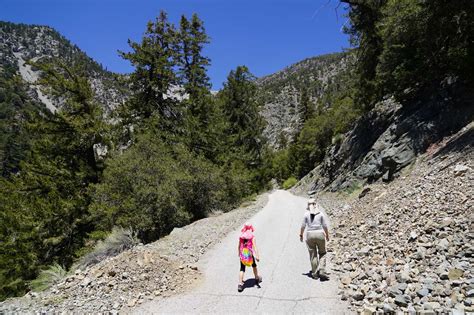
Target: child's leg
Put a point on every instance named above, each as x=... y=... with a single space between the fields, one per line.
x=241 y=273
x=255 y=272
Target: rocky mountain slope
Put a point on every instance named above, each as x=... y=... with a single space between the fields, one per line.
x=281 y=92
x=407 y=246
x=163 y=268
x=388 y=139
x=20 y=43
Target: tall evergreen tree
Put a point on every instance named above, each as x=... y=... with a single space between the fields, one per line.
x=154 y=59
x=52 y=188
x=201 y=114
x=306 y=107
x=241 y=110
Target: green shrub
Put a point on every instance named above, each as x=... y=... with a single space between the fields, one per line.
x=117 y=241
x=290 y=182
x=154 y=188
x=49 y=277
x=354 y=188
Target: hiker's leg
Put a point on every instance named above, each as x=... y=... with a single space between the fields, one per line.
x=254 y=267
x=255 y=272
x=312 y=249
x=241 y=273
x=322 y=253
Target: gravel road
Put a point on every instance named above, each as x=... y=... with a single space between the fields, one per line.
x=284 y=265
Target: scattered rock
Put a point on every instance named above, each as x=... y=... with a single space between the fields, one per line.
x=402 y=300
x=455 y=274
x=136 y=275
x=408 y=248
x=423 y=292
x=460 y=169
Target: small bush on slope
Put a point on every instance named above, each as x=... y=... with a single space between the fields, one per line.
x=290 y=182
x=119 y=240
x=48 y=277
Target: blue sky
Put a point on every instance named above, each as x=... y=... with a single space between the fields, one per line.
x=265 y=35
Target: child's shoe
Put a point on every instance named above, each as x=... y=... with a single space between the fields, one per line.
x=240 y=287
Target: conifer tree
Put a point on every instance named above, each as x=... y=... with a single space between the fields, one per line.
x=54 y=179
x=244 y=123
x=154 y=59
x=306 y=107
x=200 y=108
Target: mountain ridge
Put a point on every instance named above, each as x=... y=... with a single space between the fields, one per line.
x=20 y=43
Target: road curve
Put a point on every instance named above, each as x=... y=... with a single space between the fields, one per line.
x=284 y=265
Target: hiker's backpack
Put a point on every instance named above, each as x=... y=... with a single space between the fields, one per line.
x=246 y=251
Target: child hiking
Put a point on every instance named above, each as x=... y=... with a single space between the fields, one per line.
x=248 y=254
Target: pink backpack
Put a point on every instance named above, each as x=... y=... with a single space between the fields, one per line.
x=246 y=245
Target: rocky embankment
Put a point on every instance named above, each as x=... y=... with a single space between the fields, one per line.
x=163 y=268
x=408 y=245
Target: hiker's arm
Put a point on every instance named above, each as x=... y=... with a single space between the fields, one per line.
x=324 y=223
x=238 y=248
x=255 y=250
x=326 y=231
x=303 y=225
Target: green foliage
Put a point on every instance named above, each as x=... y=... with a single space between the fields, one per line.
x=48 y=277
x=15 y=106
x=153 y=188
x=154 y=59
x=281 y=165
x=306 y=107
x=290 y=182
x=317 y=134
x=119 y=240
x=45 y=208
x=244 y=125
x=20 y=238
x=408 y=47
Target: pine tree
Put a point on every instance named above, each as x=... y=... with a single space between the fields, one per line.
x=54 y=179
x=154 y=59
x=244 y=123
x=201 y=113
x=306 y=107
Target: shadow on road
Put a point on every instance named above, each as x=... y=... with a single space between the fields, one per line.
x=250 y=283
x=309 y=275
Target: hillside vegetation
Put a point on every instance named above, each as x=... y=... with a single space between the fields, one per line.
x=412 y=63
x=163 y=161
x=85 y=152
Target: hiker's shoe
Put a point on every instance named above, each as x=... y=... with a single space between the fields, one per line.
x=323 y=277
x=258 y=280
x=240 y=287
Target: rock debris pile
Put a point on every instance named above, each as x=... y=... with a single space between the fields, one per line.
x=163 y=268
x=408 y=246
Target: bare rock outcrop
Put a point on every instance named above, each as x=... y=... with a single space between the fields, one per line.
x=407 y=245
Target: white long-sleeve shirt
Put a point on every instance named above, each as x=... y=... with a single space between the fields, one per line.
x=318 y=223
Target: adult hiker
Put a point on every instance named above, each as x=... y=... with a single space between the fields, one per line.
x=316 y=224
